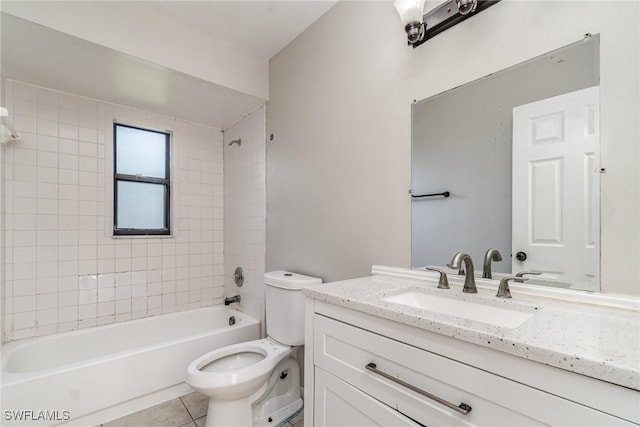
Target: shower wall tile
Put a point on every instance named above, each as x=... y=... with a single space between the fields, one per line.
x=63 y=269
x=244 y=183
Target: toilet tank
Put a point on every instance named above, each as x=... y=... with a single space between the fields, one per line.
x=285 y=305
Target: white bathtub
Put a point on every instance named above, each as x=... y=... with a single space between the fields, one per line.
x=98 y=374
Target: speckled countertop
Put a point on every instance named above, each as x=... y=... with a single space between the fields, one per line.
x=592 y=340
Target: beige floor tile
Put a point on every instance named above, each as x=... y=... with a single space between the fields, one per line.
x=297 y=419
x=167 y=414
x=196 y=403
x=200 y=422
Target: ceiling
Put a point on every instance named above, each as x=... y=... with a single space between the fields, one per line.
x=260 y=27
x=42 y=56
x=45 y=57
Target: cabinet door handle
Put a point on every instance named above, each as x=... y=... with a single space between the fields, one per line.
x=463 y=408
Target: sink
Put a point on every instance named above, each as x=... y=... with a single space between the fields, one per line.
x=498 y=316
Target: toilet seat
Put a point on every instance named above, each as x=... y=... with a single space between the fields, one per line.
x=272 y=351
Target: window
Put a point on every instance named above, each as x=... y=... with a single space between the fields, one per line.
x=141 y=186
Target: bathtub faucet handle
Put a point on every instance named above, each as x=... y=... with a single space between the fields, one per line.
x=231 y=300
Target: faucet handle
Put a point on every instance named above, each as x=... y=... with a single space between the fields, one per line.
x=522 y=273
x=503 y=288
x=443 y=283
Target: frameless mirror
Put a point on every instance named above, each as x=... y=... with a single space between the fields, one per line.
x=518 y=153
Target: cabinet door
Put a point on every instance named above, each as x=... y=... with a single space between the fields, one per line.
x=338 y=404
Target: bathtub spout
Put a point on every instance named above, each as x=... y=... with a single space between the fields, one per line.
x=230 y=300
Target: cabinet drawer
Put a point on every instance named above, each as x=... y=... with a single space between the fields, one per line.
x=339 y=404
x=345 y=350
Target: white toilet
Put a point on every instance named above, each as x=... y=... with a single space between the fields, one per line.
x=257 y=383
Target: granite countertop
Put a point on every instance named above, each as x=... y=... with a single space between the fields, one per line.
x=596 y=341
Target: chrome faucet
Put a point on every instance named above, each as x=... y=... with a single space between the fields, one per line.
x=503 y=288
x=490 y=255
x=469 y=279
x=231 y=300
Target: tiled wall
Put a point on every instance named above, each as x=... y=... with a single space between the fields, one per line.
x=63 y=268
x=244 y=202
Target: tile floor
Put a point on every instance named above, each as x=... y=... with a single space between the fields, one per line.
x=186 y=411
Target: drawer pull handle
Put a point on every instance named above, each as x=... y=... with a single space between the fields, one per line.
x=463 y=408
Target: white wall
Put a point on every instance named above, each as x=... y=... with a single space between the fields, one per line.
x=244 y=211
x=338 y=170
x=63 y=268
x=2 y=220
x=141 y=31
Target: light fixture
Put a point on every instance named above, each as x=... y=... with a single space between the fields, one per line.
x=411 y=12
x=465 y=7
x=420 y=26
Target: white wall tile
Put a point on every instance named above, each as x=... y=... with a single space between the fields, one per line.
x=66 y=271
x=46 y=301
x=87 y=296
x=46 y=143
x=24 y=156
x=68 y=131
x=24 y=107
x=23 y=320
x=67 y=161
x=47 y=128
x=46 y=96
x=88 y=312
x=24 y=123
x=242 y=214
x=106 y=294
x=68 y=146
x=24 y=303
x=67 y=314
x=68 y=299
x=123 y=306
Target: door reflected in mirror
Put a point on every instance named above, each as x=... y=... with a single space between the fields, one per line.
x=518 y=152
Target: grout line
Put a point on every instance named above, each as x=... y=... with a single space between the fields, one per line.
x=185 y=407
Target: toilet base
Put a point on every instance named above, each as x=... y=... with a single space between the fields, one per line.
x=232 y=413
x=280 y=415
x=278 y=399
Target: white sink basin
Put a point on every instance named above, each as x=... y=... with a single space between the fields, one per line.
x=503 y=317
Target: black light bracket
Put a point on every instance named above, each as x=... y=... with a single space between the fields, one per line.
x=445 y=16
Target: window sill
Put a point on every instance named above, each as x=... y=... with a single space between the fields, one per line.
x=144 y=236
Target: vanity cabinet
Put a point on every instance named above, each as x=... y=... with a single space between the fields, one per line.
x=363 y=370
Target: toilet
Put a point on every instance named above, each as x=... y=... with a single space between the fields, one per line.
x=257 y=383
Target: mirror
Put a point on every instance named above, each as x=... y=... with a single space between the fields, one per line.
x=518 y=152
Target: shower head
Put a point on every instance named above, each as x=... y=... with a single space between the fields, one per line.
x=235 y=141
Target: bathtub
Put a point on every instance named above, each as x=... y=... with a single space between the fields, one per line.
x=91 y=376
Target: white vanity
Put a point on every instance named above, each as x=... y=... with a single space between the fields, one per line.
x=376 y=354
